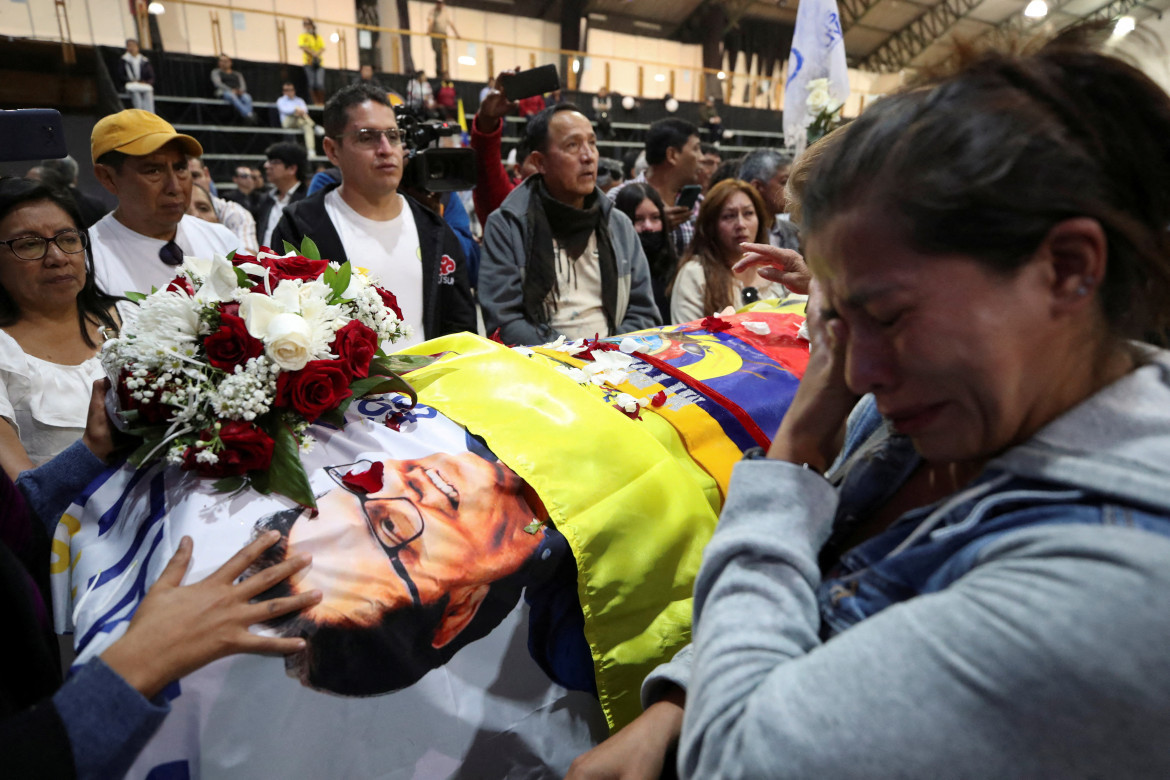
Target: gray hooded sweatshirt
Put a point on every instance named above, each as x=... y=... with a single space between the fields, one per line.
x=1020 y=628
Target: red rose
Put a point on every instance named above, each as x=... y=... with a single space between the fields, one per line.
x=245 y=448
x=318 y=387
x=239 y=258
x=295 y=267
x=231 y=308
x=356 y=345
x=231 y=345
x=389 y=301
x=181 y=284
x=150 y=412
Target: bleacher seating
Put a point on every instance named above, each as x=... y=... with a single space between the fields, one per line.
x=183 y=96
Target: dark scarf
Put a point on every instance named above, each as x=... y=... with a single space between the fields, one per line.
x=547 y=219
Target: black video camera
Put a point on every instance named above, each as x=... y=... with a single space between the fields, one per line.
x=433 y=170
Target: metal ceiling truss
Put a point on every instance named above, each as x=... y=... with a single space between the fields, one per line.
x=901 y=49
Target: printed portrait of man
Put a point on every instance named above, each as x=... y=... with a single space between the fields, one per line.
x=414 y=558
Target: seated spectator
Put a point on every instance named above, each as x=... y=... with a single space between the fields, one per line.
x=246 y=193
x=135 y=75
x=231 y=86
x=531 y=106
x=365 y=75
x=447 y=102
x=558 y=259
x=142 y=161
x=52 y=320
x=966 y=548
x=732 y=214
x=642 y=204
x=487 y=89
x=294 y=113
x=62 y=174
x=420 y=98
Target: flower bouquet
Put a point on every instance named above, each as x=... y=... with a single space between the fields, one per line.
x=823 y=112
x=224 y=370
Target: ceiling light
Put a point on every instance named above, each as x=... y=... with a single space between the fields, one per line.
x=156 y=8
x=721 y=75
x=659 y=77
x=335 y=37
x=1124 y=25
x=576 y=65
x=466 y=60
x=1037 y=9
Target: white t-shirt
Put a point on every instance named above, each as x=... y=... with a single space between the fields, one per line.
x=125 y=260
x=389 y=252
x=579 y=313
x=46 y=402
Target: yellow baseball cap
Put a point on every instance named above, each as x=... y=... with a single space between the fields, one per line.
x=137 y=133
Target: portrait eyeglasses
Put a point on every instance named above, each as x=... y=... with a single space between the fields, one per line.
x=36 y=247
x=368 y=138
x=394 y=523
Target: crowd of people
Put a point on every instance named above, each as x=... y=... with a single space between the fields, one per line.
x=948 y=560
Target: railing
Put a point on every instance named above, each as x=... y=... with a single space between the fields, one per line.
x=207 y=28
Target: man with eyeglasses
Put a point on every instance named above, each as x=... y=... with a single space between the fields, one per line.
x=142 y=161
x=366 y=219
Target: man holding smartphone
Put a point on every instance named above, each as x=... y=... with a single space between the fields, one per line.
x=673 y=152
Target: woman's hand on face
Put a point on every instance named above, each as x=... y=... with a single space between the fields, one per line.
x=812 y=430
x=776 y=265
x=637 y=752
x=180 y=628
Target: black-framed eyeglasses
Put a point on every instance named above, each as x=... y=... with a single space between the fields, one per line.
x=369 y=138
x=394 y=522
x=36 y=247
x=750 y=295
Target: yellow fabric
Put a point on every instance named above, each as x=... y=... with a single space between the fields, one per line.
x=314 y=42
x=636 y=514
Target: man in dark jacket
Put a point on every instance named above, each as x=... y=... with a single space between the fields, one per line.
x=367 y=221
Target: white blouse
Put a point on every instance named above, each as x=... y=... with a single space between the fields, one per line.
x=46 y=402
x=686 y=299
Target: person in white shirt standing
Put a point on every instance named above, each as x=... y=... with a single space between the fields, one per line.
x=365 y=220
x=142 y=161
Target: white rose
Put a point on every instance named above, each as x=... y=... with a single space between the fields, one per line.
x=818 y=100
x=818 y=84
x=219 y=283
x=258 y=311
x=288 y=341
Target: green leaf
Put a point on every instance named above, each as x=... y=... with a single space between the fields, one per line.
x=288 y=247
x=533 y=527
x=287 y=474
x=381 y=383
x=399 y=364
x=309 y=249
x=340 y=282
x=242 y=279
x=149 y=442
x=336 y=417
x=231 y=255
x=137 y=297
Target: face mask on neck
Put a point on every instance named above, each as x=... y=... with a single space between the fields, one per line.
x=652 y=242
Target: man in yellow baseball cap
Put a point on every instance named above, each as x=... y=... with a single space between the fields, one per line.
x=140 y=158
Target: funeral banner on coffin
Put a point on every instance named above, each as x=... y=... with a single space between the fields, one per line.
x=501 y=564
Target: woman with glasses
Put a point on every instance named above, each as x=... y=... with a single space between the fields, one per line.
x=733 y=213
x=52 y=320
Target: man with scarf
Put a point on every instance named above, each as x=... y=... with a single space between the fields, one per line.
x=558 y=258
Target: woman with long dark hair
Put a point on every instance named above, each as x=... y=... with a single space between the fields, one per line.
x=643 y=205
x=733 y=213
x=52 y=320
